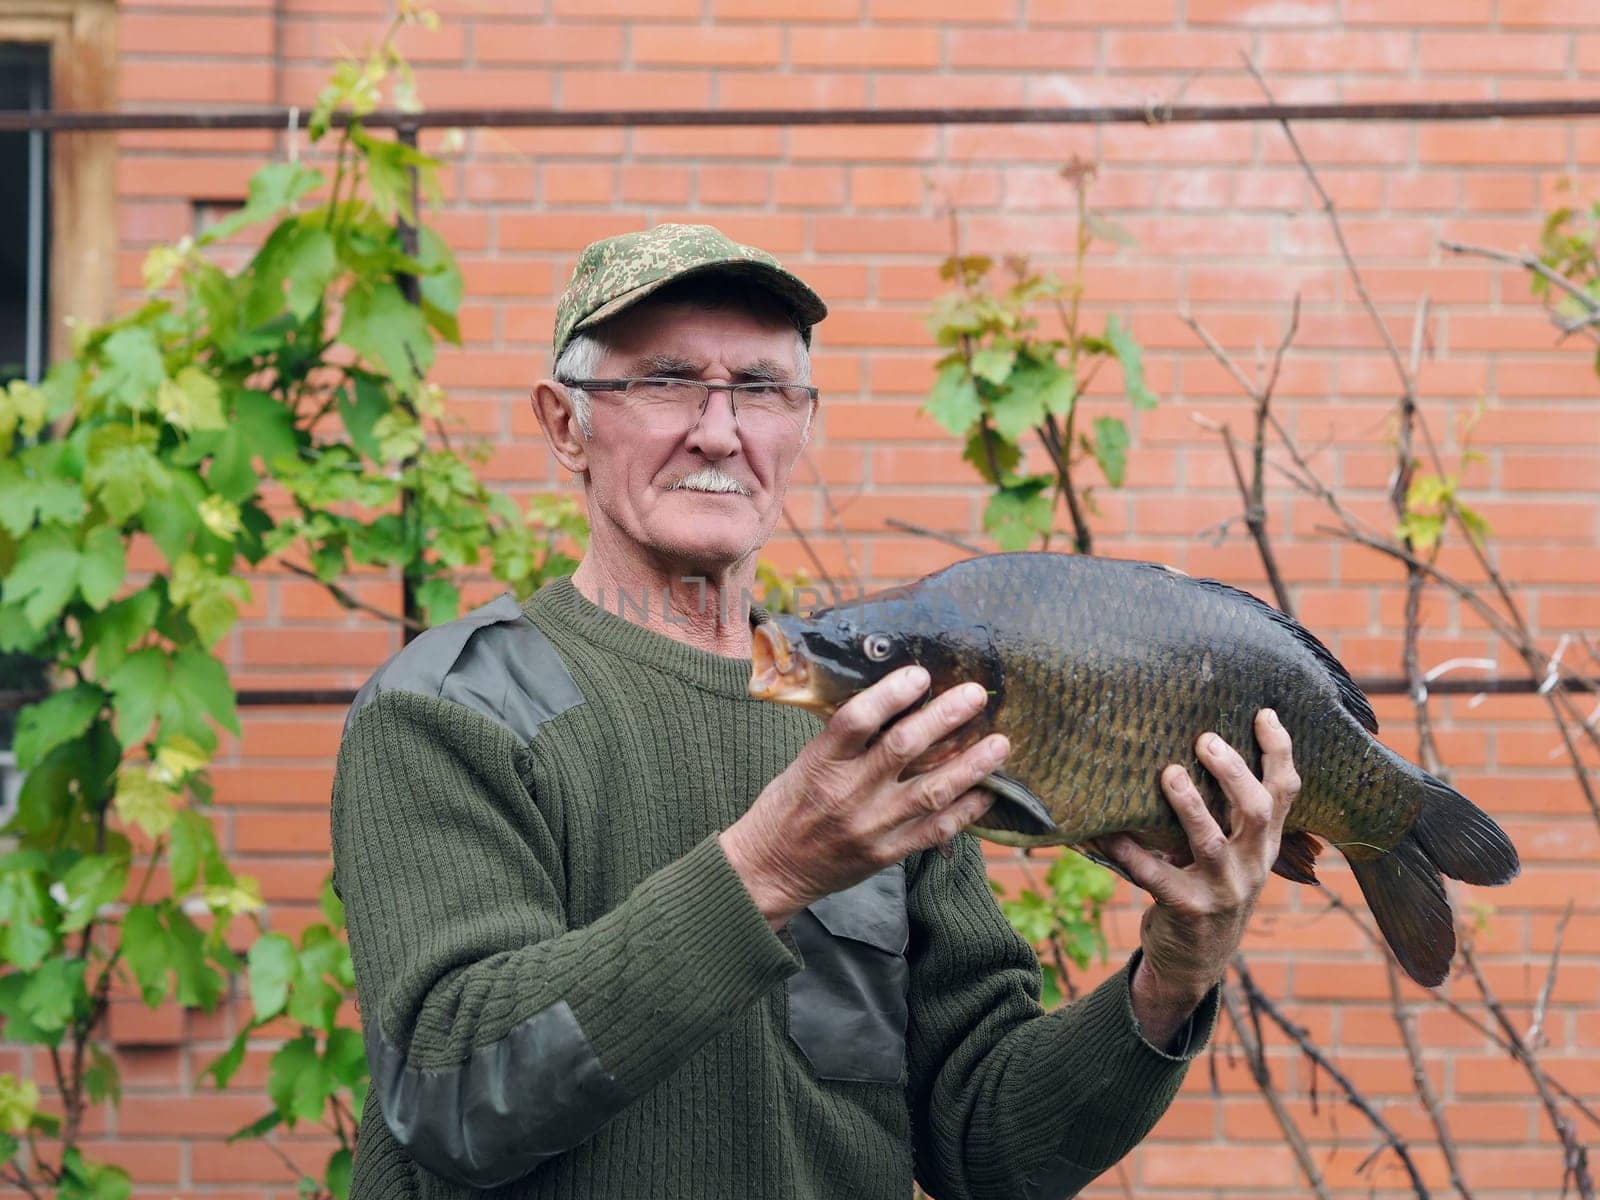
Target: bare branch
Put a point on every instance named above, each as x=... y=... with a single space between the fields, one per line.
x=1533 y=263
x=1575 y=1156
x=346 y=601
x=1256 y=1059
x=1260 y=1003
x=1535 y=1027
x=1419 y=1078
x=949 y=539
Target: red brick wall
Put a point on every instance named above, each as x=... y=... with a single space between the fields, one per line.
x=1226 y=227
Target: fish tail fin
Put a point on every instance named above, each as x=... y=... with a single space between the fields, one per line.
x=1461 y=839
x=1406 y=894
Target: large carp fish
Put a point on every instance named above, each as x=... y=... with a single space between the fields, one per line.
x=1101 y=672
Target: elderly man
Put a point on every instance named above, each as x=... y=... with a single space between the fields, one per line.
x=621 y=931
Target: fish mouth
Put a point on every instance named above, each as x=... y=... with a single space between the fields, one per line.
x=779 y=674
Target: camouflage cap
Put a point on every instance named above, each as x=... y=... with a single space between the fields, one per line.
x=617 y=272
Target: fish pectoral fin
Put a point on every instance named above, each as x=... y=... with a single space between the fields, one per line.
x=1297 y=857
x=1015 y=809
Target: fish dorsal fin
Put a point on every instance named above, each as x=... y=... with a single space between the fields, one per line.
x=1350 y=694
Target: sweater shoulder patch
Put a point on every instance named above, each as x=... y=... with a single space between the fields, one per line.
x=494 y=661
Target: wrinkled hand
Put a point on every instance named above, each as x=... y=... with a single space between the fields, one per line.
x=841 y=812
x=1202 y=907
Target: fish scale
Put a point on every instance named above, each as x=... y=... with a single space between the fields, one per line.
x=1101 y=672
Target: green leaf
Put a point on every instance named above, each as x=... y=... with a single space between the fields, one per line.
x=37 y=485
x=258 y=1128
x=388 y=332
x=101 y=567
x=192 y=400
x=340 y=1163
x=93 y=882
x=59 y=718
x=440 y=600
x=101 y=1079
x=440 y=285
x=1016 y=516
x=273 y=188
x=113 y=631
x=1111 y=448
x=200 y=985
x=983 y=443
x=203 y=682
x=145 y=950
x=122 y=470
x=954 y=401
x=1128 y=353
x=25 y=919
x=19 y=1100
x=332 y=906
x=193 y=845
x=360 y=407
x=145 y=802
x=994 y=363
x=296 y=1081
x=273 y=964
x=346 y=1057
x=227 y=1064
x=44 y=576
x=55 y=994
x=132 y=369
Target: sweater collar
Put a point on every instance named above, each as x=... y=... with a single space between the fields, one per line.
x=561 y=604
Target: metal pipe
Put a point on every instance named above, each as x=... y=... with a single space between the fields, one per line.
x=532 y=118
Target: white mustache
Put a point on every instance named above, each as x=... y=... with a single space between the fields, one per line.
x=708 y=479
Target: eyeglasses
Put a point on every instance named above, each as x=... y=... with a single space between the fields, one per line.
x=679 y=403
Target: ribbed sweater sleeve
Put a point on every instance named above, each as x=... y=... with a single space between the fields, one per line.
x=453 y=890
x=1008 y=1101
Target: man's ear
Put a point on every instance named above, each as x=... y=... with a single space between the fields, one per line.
x=553 y=407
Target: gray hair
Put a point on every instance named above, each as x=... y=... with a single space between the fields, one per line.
x=584 y=352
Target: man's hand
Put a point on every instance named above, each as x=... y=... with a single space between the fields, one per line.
x=1201 y=908
x=840 y=812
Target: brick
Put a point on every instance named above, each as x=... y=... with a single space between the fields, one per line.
x=705 y=45
x=788 y=13
x=766 y=90
x=567 y=44
x=1411 y=13
x=1015 y=49
x=1499 y=51
x=147 y=81
x=141 y=31
x=1077 y=12
x=867 y=48
x=663 y=88
x=1256 y=15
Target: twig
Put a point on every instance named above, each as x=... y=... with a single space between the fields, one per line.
x=1453 y=1006
x=1253 y=493
x=1530 y=262
x=1535 y=1030
x=346 y=601
x=1256 y=1059
x=1259 y=1002
x=805 y=544
x=838 y=524
x=1420 y=1080
x=949 y=539
x=1575 y=1156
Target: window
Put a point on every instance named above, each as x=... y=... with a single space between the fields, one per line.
x=24 y=217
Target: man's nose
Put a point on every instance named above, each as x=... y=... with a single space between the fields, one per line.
x=716 y=433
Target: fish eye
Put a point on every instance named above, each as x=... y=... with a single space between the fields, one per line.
x=877 y=646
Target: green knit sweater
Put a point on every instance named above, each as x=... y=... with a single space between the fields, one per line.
x=566 y=991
